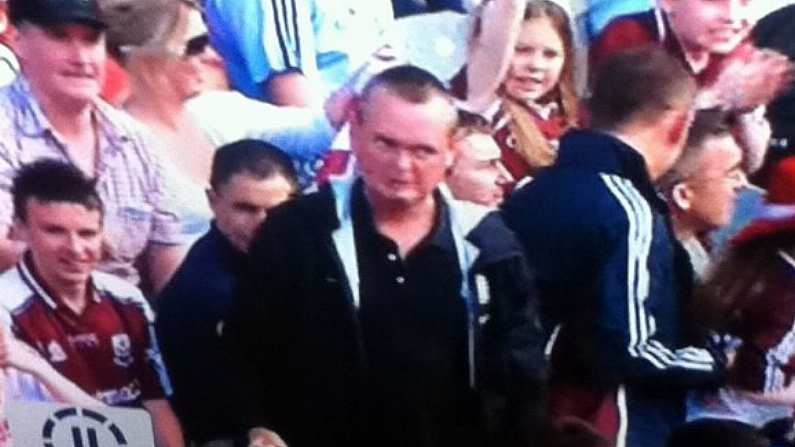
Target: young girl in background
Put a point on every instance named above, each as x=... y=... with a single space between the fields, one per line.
x=520 y=76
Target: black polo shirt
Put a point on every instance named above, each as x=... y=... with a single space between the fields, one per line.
x=414 y=330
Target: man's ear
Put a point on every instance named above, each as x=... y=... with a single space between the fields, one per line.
x=681 y=195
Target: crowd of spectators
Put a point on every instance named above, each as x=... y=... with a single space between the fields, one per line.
x=260 y=223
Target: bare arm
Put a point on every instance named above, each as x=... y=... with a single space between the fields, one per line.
x=162 y=262
x=292 y=88
x=491 y=51
x=16 y=354
x=168 y=432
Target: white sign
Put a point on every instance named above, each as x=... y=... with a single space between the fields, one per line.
x=39 y=424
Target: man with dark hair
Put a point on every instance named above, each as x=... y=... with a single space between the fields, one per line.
x=702 y=187
x=380 y=311
x=94 y=328
x=53 y=110
x=478 y=174
x=247 y=179
x=610 y=271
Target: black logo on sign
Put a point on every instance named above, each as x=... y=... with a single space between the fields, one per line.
x=81 y=436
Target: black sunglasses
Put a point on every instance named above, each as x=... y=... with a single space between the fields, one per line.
x=196 y=45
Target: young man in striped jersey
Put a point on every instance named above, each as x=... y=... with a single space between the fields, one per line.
x=610 y=272
x=93 y=328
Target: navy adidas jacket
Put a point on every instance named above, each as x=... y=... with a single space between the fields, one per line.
x=612 y=275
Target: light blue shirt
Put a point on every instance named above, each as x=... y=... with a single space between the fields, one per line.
x=261 y=38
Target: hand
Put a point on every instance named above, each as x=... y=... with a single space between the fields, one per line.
x=262 y=437
x=750 y=78
x=338 y=105
x=784 y=396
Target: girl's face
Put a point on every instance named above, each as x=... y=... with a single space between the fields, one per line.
x=537 y=61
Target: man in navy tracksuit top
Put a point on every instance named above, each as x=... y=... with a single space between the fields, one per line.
x=610 y=272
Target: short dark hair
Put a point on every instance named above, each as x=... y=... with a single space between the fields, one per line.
x=409 y=83
x=257 y=158
x=637 y=85
x=725 y=433
x=470 y=123
x=707 y=124
x=51 y=180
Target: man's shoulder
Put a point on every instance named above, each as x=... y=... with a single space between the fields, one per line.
x=315 y=210
x=122 y=291
x=122 y=123
x=204 y=270
x=569 y=200
x=15 y=292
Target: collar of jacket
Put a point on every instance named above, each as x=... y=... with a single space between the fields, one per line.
x=464 y=217
x=603 y=153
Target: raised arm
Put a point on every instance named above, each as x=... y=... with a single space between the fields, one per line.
x=491 y=49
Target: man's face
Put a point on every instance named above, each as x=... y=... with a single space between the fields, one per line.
x=712 y=189
x=65 y=63
x=478 y=174
x=65 y=240
x=403 y=149
x=241 y=205
x=715 y=26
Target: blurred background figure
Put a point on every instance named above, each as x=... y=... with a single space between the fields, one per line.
x=179 y=91
x=301 y=60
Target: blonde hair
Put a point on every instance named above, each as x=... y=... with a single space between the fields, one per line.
x=150 y=63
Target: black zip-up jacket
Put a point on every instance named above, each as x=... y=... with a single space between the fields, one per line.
x=296 y=332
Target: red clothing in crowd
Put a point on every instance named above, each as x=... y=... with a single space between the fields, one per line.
x=116 y=88
x=645 y=28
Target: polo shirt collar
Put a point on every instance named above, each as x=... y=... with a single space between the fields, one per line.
x=32 y=279
x=441 y=235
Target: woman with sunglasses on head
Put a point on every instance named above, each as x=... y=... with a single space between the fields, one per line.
x=179 y=89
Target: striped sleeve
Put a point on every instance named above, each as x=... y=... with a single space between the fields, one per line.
x=625 y=317
x=288 y=35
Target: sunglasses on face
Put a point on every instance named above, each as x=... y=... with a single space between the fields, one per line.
x=196 y=45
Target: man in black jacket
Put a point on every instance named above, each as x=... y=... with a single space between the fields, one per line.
x=380 y=311
x=248 y=178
